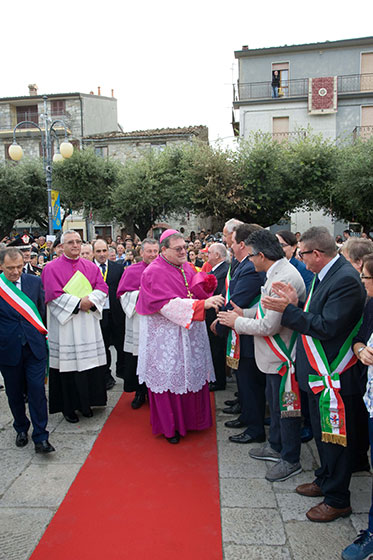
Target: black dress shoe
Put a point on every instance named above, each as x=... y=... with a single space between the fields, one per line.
x=138 y=401
x=174 y=439
x=235 y=409
x=87 y=413
x=21 y=439
x=246 y=438
x=72 y=418
x=110 y=384
x=215 y=387
x=231 y=403
x=44 y=447
x=234 y=424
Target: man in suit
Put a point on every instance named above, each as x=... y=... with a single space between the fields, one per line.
x=333 y=308
x=23 y=353
x=113 y=319
x=274 y=351
x=244 y=288
x=217 y=258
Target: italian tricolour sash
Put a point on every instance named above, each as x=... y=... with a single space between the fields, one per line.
x=233 y=340
x=22 y=304
x=332 y=411
x=289 y=395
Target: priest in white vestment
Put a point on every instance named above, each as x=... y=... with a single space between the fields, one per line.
x=75 y=294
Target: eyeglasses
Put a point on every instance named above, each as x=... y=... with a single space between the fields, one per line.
x=252 y=255
x=179 y=249
x=284 y=244
x=301 y=253
x=363 y=277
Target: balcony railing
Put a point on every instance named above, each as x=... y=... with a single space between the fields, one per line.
x=354 y=83
x=363 y=132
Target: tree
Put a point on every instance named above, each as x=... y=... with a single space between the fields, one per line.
x=23 y=194
x=351 y=195
x=149 y=189
x=86 y=183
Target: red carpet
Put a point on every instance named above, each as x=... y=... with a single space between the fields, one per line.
x=139 y=497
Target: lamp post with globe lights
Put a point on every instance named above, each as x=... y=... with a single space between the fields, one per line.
x=64 y=151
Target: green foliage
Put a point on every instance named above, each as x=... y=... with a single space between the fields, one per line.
x=86 y=182
x=23 y=194
x=149 y=189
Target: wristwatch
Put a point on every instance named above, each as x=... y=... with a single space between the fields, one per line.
x=360 y=350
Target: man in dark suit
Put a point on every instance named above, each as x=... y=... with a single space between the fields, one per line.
x=23 y=352
x=113 y=320
x=217 y=257
x=334 y=307
x=244 y=288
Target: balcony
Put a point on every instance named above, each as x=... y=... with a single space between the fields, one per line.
x=363 y=132
x=354 y=83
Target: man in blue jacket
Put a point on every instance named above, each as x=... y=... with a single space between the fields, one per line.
x=23 y=353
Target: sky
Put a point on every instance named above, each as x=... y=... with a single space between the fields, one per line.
x=170 y=63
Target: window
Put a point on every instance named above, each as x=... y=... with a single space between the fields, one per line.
x=28 y=113
x=366 y=130
x=366 y=79
x=280 y=128
x=102 y=151
x=58 y=107
x=283 y=70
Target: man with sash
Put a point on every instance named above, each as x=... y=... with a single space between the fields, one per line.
x=327 y=323
x=174 y=355
x=75 y=292
x=244 y=290
x=217 y=257
x=23 y=349
x=128 y=293
x=275 y=356
x=112 y=322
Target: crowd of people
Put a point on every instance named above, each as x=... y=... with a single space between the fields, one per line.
x=288 y=315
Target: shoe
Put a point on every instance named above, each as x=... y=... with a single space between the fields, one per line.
x=2 y=387
x=72 y=418
x=265 y=453
x=361 y=548
x=234 y=424
x=44 y=447
x=235 y=409
x=21 y=439
x=283 y=470
x=306 y=434
x=323 y=513
x=87 y=413
x=246 y=438
x=215 y=387
x=110 y=383
x=138 y=401
x=174 y=439
x=231 y=403
x=311 y=490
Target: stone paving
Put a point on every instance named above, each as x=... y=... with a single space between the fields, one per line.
x=260 y=520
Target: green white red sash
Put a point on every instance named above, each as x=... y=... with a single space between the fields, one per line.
x=289 y=394
x=233 y=340
x=21 y=303
x=332 y=411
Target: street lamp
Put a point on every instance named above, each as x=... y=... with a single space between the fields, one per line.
x=65 y=150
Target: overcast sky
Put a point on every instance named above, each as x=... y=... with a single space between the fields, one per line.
x=170 y=63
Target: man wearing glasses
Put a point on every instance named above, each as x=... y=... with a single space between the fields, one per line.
x=174 y=354
x=75 y=293
x=323 y=363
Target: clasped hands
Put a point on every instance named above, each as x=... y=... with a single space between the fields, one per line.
x=86 y=304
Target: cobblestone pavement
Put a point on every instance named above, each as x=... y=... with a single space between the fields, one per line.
x=260 y=520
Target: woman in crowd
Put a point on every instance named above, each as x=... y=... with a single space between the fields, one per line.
x=289 y=243
x=362 y=346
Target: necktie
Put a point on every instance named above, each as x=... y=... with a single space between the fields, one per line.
x=317 y=281
x=103 y=268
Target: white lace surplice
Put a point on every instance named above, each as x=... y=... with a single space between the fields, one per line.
x=174 y=350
